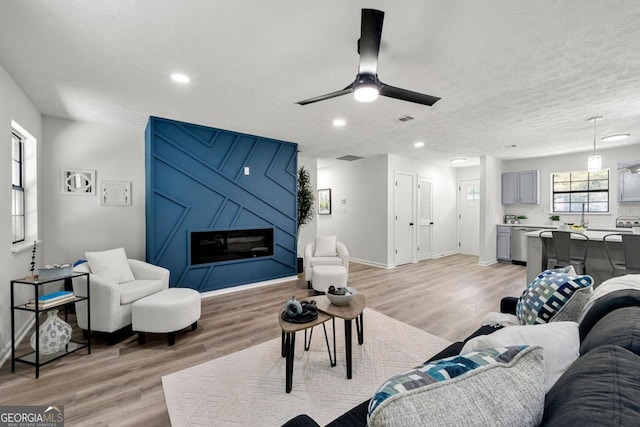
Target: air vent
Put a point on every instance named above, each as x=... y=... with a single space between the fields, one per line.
x=405 y=119
x=349 y=158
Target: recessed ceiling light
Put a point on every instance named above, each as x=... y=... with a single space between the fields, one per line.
x=459 y=160
x=339 y=122
x=180 y=78
x=615 y=137
x=418 y=144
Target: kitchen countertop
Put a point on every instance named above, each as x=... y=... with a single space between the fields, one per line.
x=593 y=234
x=531 y=225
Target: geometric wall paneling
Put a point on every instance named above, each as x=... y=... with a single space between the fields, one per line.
x=203 y=179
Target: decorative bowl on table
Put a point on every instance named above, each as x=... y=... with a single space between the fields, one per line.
x=340 y=296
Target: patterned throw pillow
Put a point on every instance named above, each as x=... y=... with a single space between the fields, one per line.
x=498 y=387
x=550 y=295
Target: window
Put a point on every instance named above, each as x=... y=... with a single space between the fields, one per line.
x=17 y=188
x=24 y=189
x=473 y=192
x=582 y=190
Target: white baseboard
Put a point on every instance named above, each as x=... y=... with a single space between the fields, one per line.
x=444 y=254
x=5 y=354
x=487 y=263
x=247 y=286
x=371 y=263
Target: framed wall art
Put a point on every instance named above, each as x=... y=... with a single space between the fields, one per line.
x=324 y=201
x=80 y=182
x=115 y=193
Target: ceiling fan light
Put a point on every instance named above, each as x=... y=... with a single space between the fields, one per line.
x=366 y=93
x=594 y=163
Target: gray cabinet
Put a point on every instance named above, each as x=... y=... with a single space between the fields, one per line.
x=521 y=187
x=510 y=188
x=503 y=245
x=628 y=183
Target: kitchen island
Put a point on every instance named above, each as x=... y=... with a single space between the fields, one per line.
x=596 y=265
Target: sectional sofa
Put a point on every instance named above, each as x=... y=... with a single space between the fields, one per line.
x=580 y=366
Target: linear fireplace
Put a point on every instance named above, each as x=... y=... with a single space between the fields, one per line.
x=226 y=245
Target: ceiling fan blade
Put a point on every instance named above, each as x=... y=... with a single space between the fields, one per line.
x=344 y=91
x=369 y=43
x=407 y=95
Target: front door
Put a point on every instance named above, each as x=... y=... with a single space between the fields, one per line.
x=469 y=217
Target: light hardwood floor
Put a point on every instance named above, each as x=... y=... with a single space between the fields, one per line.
x=120 y=385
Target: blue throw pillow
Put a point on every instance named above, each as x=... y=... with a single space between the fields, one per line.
x=549 y=293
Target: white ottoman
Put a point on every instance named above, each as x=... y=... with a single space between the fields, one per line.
x=324 y=276
x=167 y=311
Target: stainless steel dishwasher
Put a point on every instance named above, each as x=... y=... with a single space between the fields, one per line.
x=519 y=242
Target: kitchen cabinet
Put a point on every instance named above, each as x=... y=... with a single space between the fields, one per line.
x=628 y=183
x=503 y=246
x=521 y=187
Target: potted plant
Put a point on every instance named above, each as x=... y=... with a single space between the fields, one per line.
x=555 y=219
x=521 y=218
x=305 y=204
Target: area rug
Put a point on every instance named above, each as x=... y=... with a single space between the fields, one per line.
x=247 y=388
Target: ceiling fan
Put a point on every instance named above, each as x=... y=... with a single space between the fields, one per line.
x=367 y=86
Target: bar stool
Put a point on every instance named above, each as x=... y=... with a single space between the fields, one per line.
x=565 y=253
x=629 y=262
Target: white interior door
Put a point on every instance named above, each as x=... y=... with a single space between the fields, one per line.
x=425 y=219
x=404 y=219
x=469 y=216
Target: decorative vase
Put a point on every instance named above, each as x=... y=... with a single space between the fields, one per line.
x=293 y=308
x=55 y=333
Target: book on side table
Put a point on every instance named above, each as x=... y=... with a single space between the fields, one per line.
x=50 y=300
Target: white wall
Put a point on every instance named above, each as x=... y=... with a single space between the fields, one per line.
x=469 y=172
x=365 y=220
x=548 y=165
x=361 y=220
x=445 y=202
x=74 y=224
x=491 y=210
x=15 y=106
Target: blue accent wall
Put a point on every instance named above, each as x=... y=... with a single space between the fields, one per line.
x=195 y=181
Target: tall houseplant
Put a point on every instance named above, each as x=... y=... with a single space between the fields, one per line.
x=305 y=203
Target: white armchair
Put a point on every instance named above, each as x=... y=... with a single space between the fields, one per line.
x=324 y=250
x=116 y=283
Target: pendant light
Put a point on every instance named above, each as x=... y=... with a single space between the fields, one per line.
x=594 y=162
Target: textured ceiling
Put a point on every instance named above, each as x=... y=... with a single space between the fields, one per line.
x=508 y=72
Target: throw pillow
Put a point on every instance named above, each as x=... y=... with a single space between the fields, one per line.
x=326 y=246
x=545 y=297
x=560 y=343
x=111 y=265
x=496 y=387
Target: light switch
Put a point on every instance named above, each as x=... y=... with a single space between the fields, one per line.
x=246 y=170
